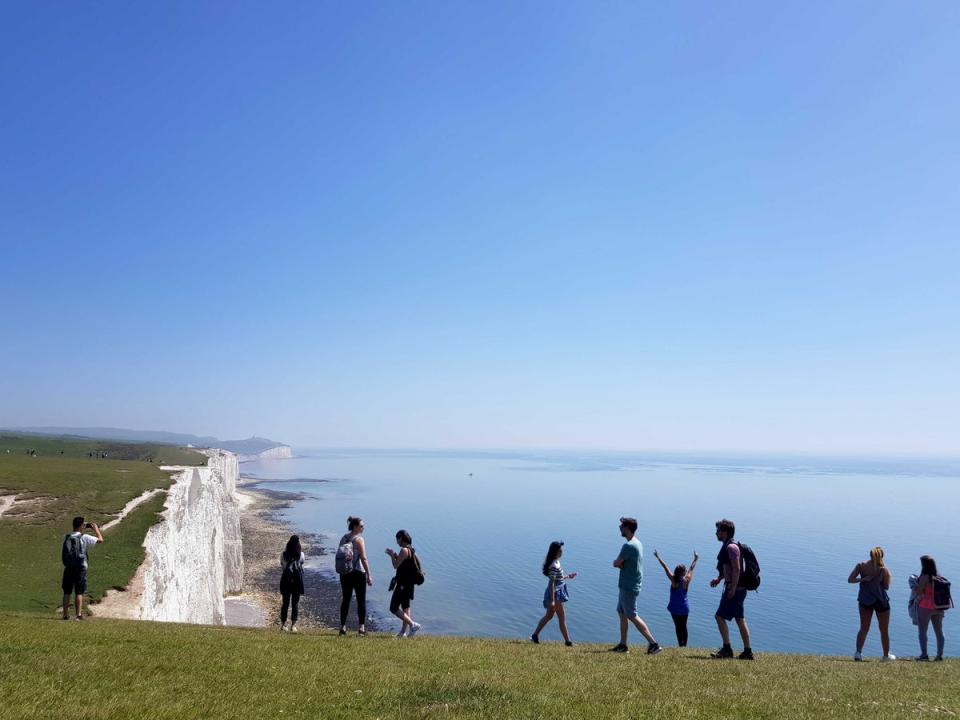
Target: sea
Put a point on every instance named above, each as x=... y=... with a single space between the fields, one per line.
x=481 y=523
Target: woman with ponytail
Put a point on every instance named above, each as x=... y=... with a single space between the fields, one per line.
x=874 y=580
x=679 y=607
x=356 y=577
x=556 y=593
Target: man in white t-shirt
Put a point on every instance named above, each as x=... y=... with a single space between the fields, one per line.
x=76 y=545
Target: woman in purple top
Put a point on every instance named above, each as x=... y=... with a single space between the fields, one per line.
x=679 y=607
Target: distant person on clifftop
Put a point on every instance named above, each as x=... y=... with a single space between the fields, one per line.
x=556 y=593
x=679 y=606
x=291 y=581
x=354 y=570
x=731 y=601
x=630 y=564
x=407 y=566
x=874 y=580
x=76 y=545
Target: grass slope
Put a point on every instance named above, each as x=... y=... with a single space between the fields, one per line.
x=51 y=488
x=155 y=671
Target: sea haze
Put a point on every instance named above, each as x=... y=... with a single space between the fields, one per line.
x=481 y=523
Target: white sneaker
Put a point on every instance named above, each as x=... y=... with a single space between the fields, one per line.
x=293 y=628
x=401 y=635
x=889 y=657
x=415 y=628
x=858 y=656
x=283 y=628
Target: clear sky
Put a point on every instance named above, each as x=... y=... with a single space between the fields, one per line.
x=711 y=226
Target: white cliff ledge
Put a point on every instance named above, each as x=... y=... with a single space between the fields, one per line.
x=194 y=557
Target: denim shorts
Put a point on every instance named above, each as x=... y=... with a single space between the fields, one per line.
x=732 y=608
x=627 y=603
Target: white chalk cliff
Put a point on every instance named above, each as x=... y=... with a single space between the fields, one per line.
x=281 y=452
x=195 y=555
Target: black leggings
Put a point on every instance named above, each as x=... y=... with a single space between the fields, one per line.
x=287 y=596
x=353 y=582
x=680 y=623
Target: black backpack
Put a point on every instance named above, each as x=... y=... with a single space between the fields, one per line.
x=749 y=568
x=419 y=576
x=74 y=552
x=941 y=593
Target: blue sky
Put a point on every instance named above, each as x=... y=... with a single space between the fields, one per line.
x=551 y=225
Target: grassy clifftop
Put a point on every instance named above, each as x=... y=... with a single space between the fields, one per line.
x=51 y=488
x=116 y=669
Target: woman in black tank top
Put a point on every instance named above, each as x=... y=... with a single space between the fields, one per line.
x=405 y=563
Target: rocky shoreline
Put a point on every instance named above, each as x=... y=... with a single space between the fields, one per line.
x=265 y=533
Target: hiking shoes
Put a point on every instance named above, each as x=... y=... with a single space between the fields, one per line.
x=620 y=648
x=722 y=654
x=415 y=628
x=858 y=656
x=535 y=639
x=654 y=648
x=747 y=654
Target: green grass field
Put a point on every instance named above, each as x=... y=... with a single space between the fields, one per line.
x=51 y=488
x=123 y=669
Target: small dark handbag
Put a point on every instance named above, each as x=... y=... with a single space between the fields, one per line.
x=393 y=584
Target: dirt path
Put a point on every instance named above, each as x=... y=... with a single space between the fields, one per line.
x=6 y=502
x=140 y=499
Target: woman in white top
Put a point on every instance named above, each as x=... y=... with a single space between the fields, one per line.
x=555 y=594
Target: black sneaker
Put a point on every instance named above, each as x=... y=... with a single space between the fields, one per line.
x=654 y=648
x=568 y=643
x=535 y=639
x=923 y=658
x=747 y=654
x=722 y=654
x=620 y=648
x=343 y=631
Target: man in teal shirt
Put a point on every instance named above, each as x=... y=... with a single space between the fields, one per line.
x=630 y=563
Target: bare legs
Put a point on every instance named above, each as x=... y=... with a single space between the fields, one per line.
x=561 y=618
x=77 y=604
x=883 y=622
x=725 y=631
x=406 y=618
x=639 y=624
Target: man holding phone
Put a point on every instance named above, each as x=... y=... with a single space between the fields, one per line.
x=74 y=555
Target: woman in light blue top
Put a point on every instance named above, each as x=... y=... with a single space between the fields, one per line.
x=555 y=594
x=679 y=607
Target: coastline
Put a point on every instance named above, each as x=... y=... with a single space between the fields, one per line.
x=265 y=534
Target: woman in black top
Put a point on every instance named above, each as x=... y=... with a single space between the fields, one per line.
x=403 y=583
x=291 y=581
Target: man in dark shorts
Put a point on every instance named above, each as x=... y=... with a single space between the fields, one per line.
x=731 y=602
x=76 y=545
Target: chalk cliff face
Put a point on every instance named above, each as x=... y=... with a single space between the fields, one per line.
x=195 y=556
x=281 y=452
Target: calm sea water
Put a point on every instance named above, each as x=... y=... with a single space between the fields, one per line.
x=482 y=522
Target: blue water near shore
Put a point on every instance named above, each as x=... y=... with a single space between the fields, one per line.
x=482 y=537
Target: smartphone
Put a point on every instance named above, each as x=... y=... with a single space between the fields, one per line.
x=88 y=526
